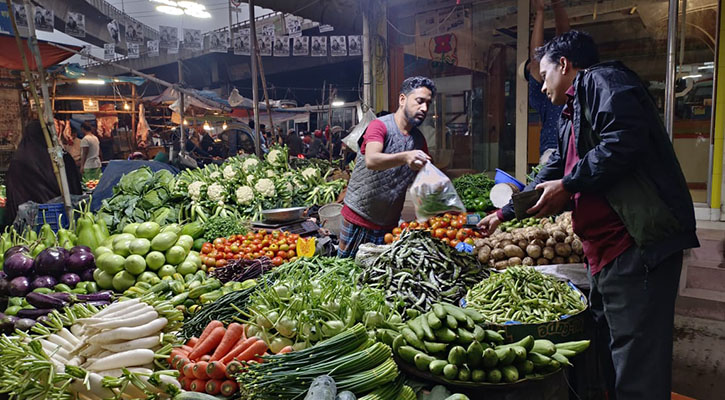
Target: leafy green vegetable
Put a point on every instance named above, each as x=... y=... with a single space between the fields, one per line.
x=474 y=191
x=219 y=226
x=134 y=182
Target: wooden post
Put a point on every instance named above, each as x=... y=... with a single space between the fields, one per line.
x=264 y=90
x=133 y=117
x=255 y=90
x=329 y=122
x=522 y=98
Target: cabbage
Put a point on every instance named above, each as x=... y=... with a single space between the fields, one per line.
x=134 y=182
x=154 y=198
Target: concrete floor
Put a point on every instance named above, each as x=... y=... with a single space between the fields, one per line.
x=698 y=368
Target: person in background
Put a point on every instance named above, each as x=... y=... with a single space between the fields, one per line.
x=90 y=149
x=306 y=141
x=31 y=176
x=632 y=209
x=336 y=145
x=207 y=142
x=317 y=147
x=294 y=143
x=392 y=152
x=548 y=112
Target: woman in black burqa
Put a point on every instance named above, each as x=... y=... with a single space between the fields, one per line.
x=31 y=177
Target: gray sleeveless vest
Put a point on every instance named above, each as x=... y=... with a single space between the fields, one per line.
x=378 y=196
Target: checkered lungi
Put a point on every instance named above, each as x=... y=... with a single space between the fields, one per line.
x=352 y=236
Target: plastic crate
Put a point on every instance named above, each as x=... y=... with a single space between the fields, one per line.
x=52 y=211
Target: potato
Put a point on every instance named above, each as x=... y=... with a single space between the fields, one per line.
x=494 y=243
x=533 y=251
x=569 y=239
x=543 y=261
x=557 y=260
x=548 y=252
x=501 y=264
x=573 y=259
x=538 y=242
x=483 y=256
x=577 y=247
x=479 y=243
x=498 y=254
x=507 y=236
x=562 y=250
x=517 y=237
x=514 y=261
x=528 y=261
x=559 y=236
x=542 y=234
x=506 y=242
x=514 y=251
x=523 y=243
x=550 y=242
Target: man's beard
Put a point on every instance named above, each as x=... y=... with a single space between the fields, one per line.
x=412 y=120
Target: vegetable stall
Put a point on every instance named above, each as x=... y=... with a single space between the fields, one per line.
x=170 y=291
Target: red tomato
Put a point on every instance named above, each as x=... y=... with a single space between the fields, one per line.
x=294 y=236
x=282 y=254
x=461 y=236
x=446 y=240
x=455 y=224
x=454 y=243
x=234 y=248
x=269 y=254
x=206 y=248
x=218 y=241
x=404 y=225
x=220 y=263
x=237 y=256
x=273 y=247
x=277 y=261
x=413 y=225
x=291 y=254
x=451 y=234
x=388 y=238
x=397 y=231
x=440 y=233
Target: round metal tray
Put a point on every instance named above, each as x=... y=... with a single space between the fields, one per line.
x=283 y=214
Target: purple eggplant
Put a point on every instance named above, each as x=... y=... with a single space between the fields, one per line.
x=51 y=261
x=24 y=324
x=70 y=279
x=87 y=275
x=45 y=281
x=4 y=286
x=63 y=296
x=18 y=264
x=105 y=295
x=39 y=300
x=79 y=262
x=81 y=249
x=7 y=324
x=16 y=249
x=34 y=313
x=19 y=286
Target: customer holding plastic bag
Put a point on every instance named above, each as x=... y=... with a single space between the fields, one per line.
x=631 y=207
x=392 y=152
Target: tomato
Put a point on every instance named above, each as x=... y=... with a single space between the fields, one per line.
x=440 y=233
x=413 y=225
x=468 y=231
x=291 y=254
x=247 y=256
x=229 y=256
x=461 y=236
x=276 y=261
x=469 y=241
x=234 y=248
x=256 y=241
x=220 y=263
x=455 y=224
x=454 y=243
x=282 y=254
x=388 y=238
x=269 y=254
x=436 y=225
x=293 y=246
x=284 y=247
x=445 y=223
x=206 y=248
x=404 y=225
x=397 y=231
x=265 y=243
x=237 y=257
x=294 y=236
x=446 y=241
x=451 y=234
x=273 y=247
x=218 y=241
x=447 y=215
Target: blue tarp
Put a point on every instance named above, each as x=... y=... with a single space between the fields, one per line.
x=113 y=173
x=75 y=71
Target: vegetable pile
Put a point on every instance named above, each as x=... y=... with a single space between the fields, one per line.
x=474 y=191
x=508 y=226
x=419 y=270
x=280 y=247
x=524 y=295
x=551 y=243
x=449 y=228
x=448 y=343
x=226 y=309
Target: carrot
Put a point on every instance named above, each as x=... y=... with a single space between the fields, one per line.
x=229 y=387
x=189 y=370
x=205 y=357
x=198 y=385
x=192 y=342
x=200 y=370
x=233 y=368
x=180 y=363
x=244 y=332
x=187 y=348
x=213 y=386
x=239 y=349
x=216 y=370
x=185 y=382
x=208 y=344
x=285 y=350
x=208 y=330
x=231 y=337
x=256 y=349
x=177 y=352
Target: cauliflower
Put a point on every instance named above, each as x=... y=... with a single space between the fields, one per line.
x=274 y=157
x=270 y=173
x=195 y=190
x=229 y=172
x=215 y=175
x=309 y=172
x=245 y=195
x=249 y=164
x=250 y=179
x=215 y=192
x=289 y=187
x=265 y=187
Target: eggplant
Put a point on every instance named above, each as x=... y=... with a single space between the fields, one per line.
x=34 y=313
x=105 y=295
x=45 y=281
x=80 y=261
x=63 y=296
x=39 y=300
x=51 y=261
x=4 y=286
x=7 y=324
x=18 y=264
x=87 y=275
x=70 y=279
x=16 y=249
x=24 y=324
x=19 y=286
x=81 y=249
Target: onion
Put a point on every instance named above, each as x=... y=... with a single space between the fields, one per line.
x=19 y=286
x=51 y=261
x=44 y=281
x=70 y=279
x=18 y=264
x=79 y=261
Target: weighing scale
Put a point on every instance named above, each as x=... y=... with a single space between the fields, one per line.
x=300 y=226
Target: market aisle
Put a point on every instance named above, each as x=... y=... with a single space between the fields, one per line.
x=699 y=358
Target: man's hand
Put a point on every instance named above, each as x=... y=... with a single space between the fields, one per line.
x=489 y=223
x=537 y=5
x=552 y=201
x=416 y=159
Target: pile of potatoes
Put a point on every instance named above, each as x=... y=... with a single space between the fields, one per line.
x=552 y=242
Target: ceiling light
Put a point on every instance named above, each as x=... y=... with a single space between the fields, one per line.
x=90 y=102
x=186 y=122
x=126 y=106
x=190 y=5
x=197 y=13
x=166 y=2
x=224 y=126
x=91 y=81
x=170 y=10
x=207 y=127
x=706 y=67
x=338 y=103
x=692 y=76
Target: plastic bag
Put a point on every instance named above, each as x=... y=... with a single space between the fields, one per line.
x=433 y=193
x=352 y=141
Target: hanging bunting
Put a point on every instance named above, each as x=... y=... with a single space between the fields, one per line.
x=319 y=46
x=294 y=26
x=114 y=31
x=134 y=32
x=219 y=41
x=134 y=50
x=338 y=46
x=354 y=45
x=43 y=19
x=242 y=44
x=75 y=24
x=265 y=45
x=109 y=51
x=192 y=39
x=168 y=37
x=301 y=46
x=152 y=48
x=281 y=46
x=21 y=18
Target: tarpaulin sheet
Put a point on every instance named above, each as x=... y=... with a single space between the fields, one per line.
x=10 y=56
x=113 y=173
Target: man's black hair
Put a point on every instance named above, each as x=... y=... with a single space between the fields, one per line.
x=86 y=127
x=251 y=123
x=577 y=47
x=415 y=82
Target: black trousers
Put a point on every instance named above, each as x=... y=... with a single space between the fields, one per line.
x=634 y=306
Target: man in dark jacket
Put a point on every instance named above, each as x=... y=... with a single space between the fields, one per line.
x=294 y=143
x=631 y=208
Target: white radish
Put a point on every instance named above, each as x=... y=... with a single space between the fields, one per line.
x=96 y=383
x=56 y=339
x=92 y=350
x=142 y=319
x=121 y=314
x=75 y=361
x=55 y=351
x=110 y=336
x=76 y=330
x=119 y=305
x=169 y=380
x=130 y=358
x=68 y=336
x=141 y=343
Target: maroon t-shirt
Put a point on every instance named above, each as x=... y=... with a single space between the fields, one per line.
x=603 y=234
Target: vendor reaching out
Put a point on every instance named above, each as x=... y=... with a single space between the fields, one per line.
x=392 y=152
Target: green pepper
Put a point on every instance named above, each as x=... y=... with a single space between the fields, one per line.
x=13 y=310
x=37 y=249
x=91 y=287
x=15 y=301
x=43 y=290
x=62 y=287
x=79 y=290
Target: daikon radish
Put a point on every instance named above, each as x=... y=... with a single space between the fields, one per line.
x=129 y=333
x=124 y=359
x=141 y=343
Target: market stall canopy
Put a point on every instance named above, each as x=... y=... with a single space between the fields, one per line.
x=10 y=56
x=75 y=71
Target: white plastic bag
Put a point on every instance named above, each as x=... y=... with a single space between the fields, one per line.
x=433 y=193
x=352 y=140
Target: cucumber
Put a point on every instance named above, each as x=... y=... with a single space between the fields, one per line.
x=520 y=353
x=478 y=375
x=489 y=359
x=543 y=346
x=505 y=356
x=445 y=335
x=408 y=353
x=417 y=327
x=457 y=356
x=412 y=338
x=577 y=346
x=510 y=374
x=427 y=331
x=464 y=374
x=525 y=367
x=451 y=322
x=450 y=371
x=560 y=358
x=397 y=342
x=539 y=360
x=434 y=347
x=433 y=321
x=476 y=316
x=208 y=286
x=422 y=361
x=493 y=336
x=494 y=376
x=474 y=354
x=456 y=312
x=436 y=367
x=464 y=336
x=479 y=334
x=439 y=311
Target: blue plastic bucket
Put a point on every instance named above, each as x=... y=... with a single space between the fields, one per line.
x=503 y=177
